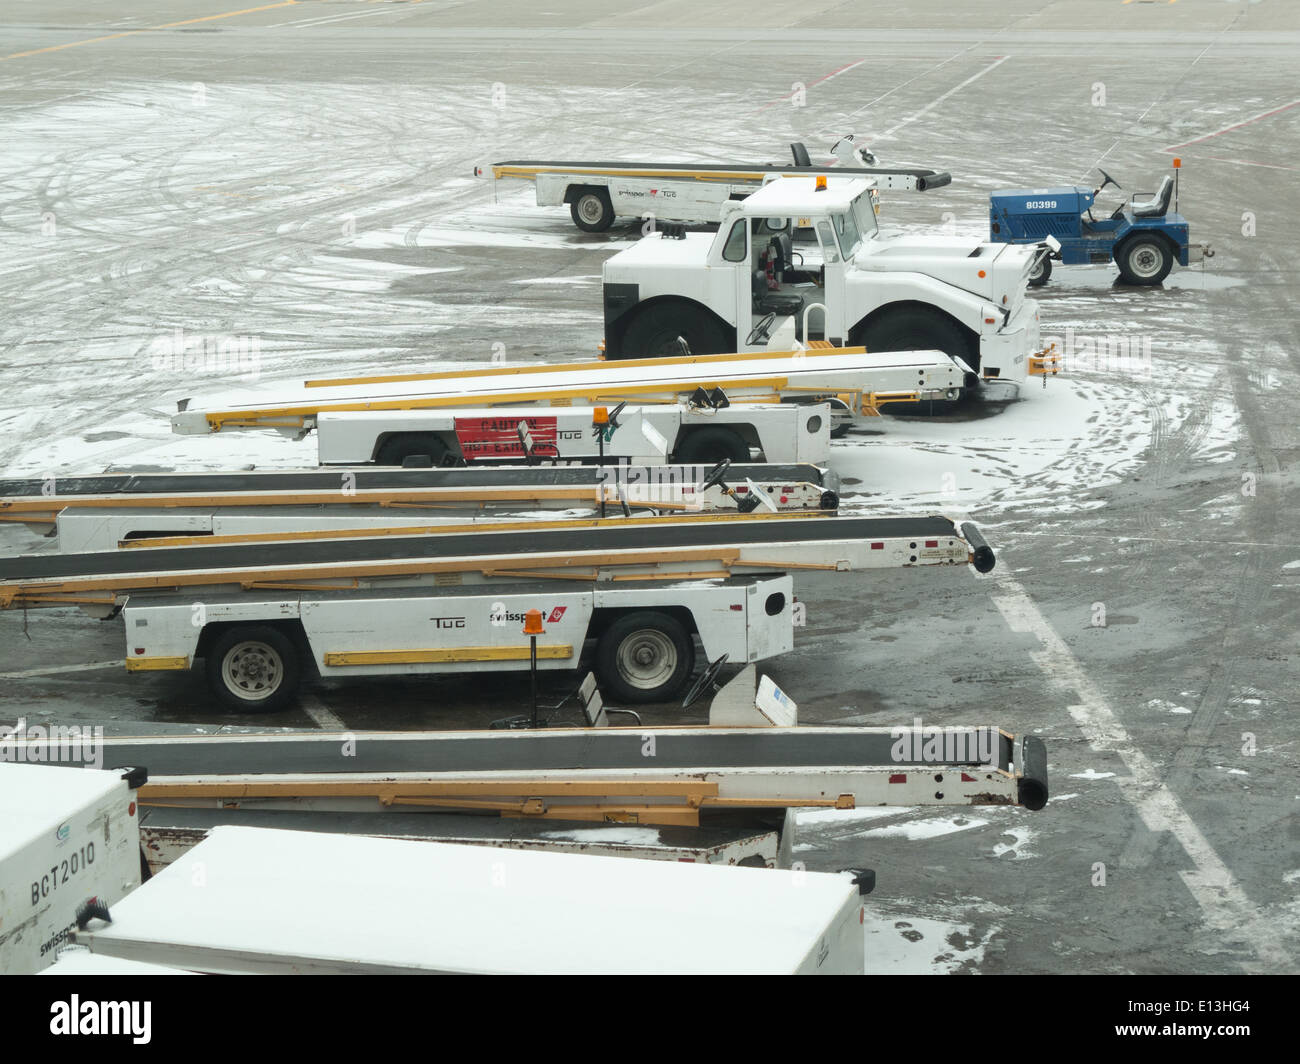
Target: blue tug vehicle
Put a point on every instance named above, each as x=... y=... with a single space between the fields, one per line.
x=1143 y=237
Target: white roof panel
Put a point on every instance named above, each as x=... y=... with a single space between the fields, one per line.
x=337 y=899
x=35 y=799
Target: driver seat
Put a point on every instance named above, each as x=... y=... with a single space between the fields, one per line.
x=782 y=304
x=1159 y=206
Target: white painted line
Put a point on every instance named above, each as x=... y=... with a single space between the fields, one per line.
x=54 y=670
x=323 y=718
x=1224 y=903
x=951 y=92
x=321 y=20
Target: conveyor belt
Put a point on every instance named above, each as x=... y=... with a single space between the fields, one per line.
x=926 y=179
x=606 y=536
x=381 y=478
x=587 y=749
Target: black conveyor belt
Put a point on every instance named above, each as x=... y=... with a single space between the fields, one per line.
x=594 y=749
x=732 y=532
x=377 y=478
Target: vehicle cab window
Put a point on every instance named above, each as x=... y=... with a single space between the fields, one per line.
x=830 y=250
x=734 y=249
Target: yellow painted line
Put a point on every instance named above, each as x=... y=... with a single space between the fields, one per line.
x=156 y=664
x=147 y=29
x=597 y=366
x=551 y=651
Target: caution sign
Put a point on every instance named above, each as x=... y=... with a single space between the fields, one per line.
x=507 y=437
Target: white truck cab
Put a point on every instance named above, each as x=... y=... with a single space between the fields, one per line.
x=803 y=259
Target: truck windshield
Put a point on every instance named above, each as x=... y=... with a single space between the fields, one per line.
x=846 y=231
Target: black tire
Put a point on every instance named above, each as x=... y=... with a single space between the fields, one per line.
x=709 y=446
x=654 y=331
x=398 y=448
x=1144 y=260
x=591 y=210
x=917 y=329
x=254 y=669
x=1041 y=273
x=645 y=656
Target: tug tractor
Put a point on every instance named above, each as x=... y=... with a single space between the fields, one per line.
x=1143 y=237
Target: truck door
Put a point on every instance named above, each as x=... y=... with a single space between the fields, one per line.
x=734 y=257
x=830 y=326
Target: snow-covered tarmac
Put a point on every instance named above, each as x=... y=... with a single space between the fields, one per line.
x=293 y=187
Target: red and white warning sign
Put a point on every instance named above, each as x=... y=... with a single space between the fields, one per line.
x=499 y=437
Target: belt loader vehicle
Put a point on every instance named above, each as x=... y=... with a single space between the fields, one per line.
x=395 y=906
x=83 y=523
x=259 y=608
x=685 y=409
x=1143 y=238
x=597 y=193
x=749 y=288
x=102 y=510
x=66 y=835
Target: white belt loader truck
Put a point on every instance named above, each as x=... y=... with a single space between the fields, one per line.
x=751 y=287
x=597 y=192
x=66 y=835
x=686 y=409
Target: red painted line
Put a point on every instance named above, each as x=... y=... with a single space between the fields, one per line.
x=833 y=74
x=1242 y=162
x=1229 y=129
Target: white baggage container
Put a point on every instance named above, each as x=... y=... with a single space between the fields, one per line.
x=66 y=835
x=252 y=900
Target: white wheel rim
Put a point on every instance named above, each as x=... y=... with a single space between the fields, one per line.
x=252 y=671
x=647 y=659
x=1145 y=261
x=591 y=208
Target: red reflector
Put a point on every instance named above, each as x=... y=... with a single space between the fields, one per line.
x=785 y=498
x=877 y=546
x=742 y=491
x=989 y=321
x=686 y=860
x=931 y=542
x=130 y=809
x=737 y=608
x=898 y=777
x=967 y=779
x=787 y=489
x=139 y=650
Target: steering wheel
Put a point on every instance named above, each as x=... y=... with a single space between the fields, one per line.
x=708 y=678
x=1108 y=180
x=761 y=329
x=716 y=474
